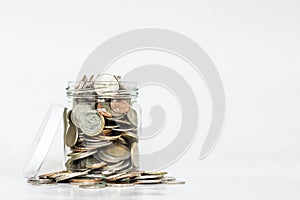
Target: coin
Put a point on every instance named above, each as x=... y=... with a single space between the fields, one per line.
x=115 y=176
x=175 y=182
x=91 y=123
x=146 y=177
x=52 y=174
x=132 y=137
x=94 y=186
x=77 y=112
x=120 y=184
x=96 y=166
x=105 y=84
x=83 y=155
x=38 y=181
x=105 y=106
x=154 y=181
x=81 y=82
x=70 y=175
x=65 y=120
x=71 y=136
x=168 y=178
x=129 y=175
x=135 y=154
x=119 y=106
x=85 y=180
x=155 y=173
x=132 y=117
x=108 y=158
x=117 y=150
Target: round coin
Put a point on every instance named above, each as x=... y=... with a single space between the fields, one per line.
x=154 y=181
x=135 y=157
x=175 y=182
x=120 y=184
x=91 y=123
x=132 y=117
x=119 y=106
x=147 y=177
x=71 y=136
x=78 y=110
x=105 y=84
x=93 y=186
x=70 y=175
x=96 y=166
x=117 y=150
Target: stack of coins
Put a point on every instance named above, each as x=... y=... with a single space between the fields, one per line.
x=89 y=180
x=101 y=129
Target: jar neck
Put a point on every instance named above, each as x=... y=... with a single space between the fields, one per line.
x=101 y=90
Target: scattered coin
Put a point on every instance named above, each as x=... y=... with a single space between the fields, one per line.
x=93 y=186
x=120 y=184
x=70 y=175
x=154 y=181
x=175 y=182
x=146 y=177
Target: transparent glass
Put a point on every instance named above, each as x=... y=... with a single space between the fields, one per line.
x=101 y=126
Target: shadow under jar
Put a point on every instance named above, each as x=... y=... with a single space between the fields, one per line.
x=101 y=126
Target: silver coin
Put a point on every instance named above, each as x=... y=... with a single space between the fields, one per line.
x=83 y=155
x=120 y=184
x=78 y=110
x=108 y=158
x=135 y=157
x=175 y=182
x=38 y=181
x=154 y=181
x=168 y=178
x=132 y=117
x=93 y=186
x=115 y=176
x=106 y=84
x=91 y=123
x=71 y=136
x=113 y=168
x=146 y=177
x=70 y=175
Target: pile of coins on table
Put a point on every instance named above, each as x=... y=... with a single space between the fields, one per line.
x=89 y=180
x=102 y=127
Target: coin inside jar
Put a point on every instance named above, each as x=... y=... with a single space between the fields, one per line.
x=91 y=123
x=119 y=106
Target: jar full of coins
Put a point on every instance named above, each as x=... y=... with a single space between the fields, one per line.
x=101 y=125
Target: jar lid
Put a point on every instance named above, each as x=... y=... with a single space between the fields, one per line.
x=43 y=140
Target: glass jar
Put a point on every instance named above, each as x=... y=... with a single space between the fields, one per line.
x=101 y=126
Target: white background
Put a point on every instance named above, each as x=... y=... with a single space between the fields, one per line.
x=254 y=44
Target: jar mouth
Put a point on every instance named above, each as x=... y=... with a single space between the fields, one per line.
x=102 y=89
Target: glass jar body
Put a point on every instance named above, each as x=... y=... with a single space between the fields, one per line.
x=101 y=127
